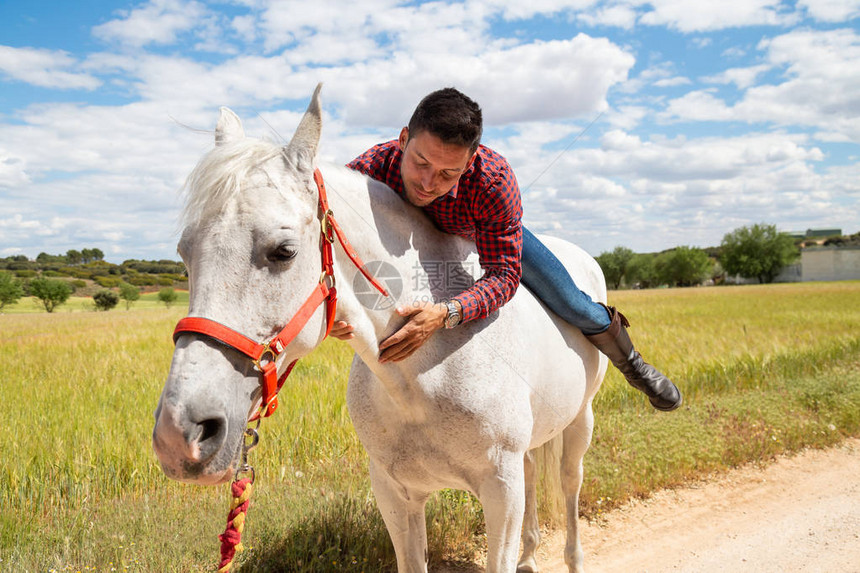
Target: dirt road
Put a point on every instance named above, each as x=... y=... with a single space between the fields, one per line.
x=799 y=514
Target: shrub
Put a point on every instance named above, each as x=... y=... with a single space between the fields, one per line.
x=129 y=293
x=168 y=296
x=105 y=299
x=107 y=282
x=142 y=280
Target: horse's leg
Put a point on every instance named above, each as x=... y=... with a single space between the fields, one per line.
x=403 y=513
x=577 y=437
x=502 y=496
x=531 y=527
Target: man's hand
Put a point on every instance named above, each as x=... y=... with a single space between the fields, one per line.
x=425 y=319
x=342 y=330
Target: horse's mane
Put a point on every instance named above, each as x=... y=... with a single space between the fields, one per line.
x=215 y=179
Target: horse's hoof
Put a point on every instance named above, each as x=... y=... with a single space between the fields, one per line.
x=528 y=566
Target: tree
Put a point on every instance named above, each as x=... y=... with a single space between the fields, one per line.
x=759 y=252
x=10 y=290
x=641 y=271
x=105 y=299
x=51 y=292
x=614 y=265
x=168 y=296
x=129 y=293
x=683 y=266
x=74 y=257
x=91 y=255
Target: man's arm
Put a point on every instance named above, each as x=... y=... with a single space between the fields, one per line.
x=499 y=283
x=499 y=239
x=500 y=248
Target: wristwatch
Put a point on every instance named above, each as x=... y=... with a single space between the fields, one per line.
x=453 y=318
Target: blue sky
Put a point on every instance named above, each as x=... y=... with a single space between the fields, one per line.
x=702 y=116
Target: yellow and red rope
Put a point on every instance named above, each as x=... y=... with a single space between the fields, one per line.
x=231 y=539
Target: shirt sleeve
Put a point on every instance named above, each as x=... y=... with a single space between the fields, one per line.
x=370 y=163
x=499 y=239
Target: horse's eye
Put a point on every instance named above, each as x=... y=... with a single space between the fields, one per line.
x=283 y=253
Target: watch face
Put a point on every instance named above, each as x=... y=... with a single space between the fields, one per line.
x=453 y=318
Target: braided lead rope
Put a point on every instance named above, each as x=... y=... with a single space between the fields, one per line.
x=241 y=489
x=231 y=539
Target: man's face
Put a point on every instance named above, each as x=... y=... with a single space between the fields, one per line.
x=430 y=167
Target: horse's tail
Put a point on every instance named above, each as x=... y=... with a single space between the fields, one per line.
x=551 y=502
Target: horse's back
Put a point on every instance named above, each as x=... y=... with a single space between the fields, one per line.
x=517 y=378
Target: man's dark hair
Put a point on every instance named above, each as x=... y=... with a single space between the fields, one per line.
x=449 y=115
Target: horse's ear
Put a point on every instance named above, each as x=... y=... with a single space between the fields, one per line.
x=229 y=127
x=302 y=148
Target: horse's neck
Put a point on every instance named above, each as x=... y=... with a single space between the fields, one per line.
x=383 y=229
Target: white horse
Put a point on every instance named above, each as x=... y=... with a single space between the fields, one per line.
x=465 y=411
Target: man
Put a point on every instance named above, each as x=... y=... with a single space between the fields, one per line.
x=467 y=189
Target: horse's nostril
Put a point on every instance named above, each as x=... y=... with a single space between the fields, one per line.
x=210 y=429
x=210 y=436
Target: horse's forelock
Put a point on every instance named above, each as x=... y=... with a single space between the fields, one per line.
x=216 y=178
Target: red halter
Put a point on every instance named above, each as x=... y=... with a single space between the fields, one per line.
x=323 y=292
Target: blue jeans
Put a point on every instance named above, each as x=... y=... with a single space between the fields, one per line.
x=547 y=278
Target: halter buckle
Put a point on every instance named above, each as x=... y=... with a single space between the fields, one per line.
x=326 y=226
x=267 y=349
x=331 y=280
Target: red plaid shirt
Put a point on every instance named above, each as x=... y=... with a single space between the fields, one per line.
x=485 y=206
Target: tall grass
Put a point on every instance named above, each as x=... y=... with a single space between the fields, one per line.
x=703 y=337
x=763 y=370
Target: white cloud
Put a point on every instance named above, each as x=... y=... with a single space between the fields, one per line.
x=672 y=82
x=44 y=68
x=658 y=193
x=554 y=80
x=618 y=140
x=735 y=52
x=831 y=10
x=741 y=77
x=659 y=74
x=702 y=105
x=107 y=175
x=13 y=170
x=339 y=22
x=17 y=222
x=710 y=15
x=246 y=27
x=627 y=116
x=519 y=10
x=820 y=88
x=156 y=22
x=616 y=15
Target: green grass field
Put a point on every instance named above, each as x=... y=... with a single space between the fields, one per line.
x=149 y=300
x=764 y=370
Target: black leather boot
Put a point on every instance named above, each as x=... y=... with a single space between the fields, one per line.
x=615 y=343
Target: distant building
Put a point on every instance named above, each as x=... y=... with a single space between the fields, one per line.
x=815 y=233
x=830 y=264
x=834 y=262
